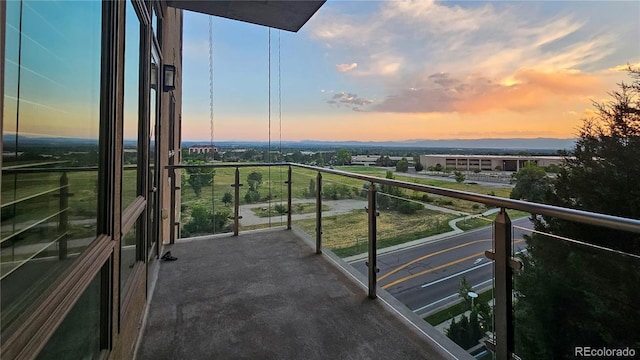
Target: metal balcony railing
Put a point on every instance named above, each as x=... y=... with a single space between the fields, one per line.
x=503 y=263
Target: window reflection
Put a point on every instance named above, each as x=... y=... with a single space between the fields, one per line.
x=50 y=152
x=131 y=107
x=78 y=337
x=153 y=114
x=128 y=256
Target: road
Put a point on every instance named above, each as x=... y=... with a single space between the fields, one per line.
x=427 y=277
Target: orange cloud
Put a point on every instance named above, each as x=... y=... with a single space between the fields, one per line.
x=531 y=90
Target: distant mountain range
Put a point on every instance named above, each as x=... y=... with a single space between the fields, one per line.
x=511 y=144
x=500 y=144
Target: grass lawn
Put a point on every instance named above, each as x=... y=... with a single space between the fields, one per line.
x=347 y=234
x=455 y=310
x=296 y=209
x=475 y=223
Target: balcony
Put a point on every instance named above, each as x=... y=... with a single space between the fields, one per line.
x=297 y=290
x=266 y=294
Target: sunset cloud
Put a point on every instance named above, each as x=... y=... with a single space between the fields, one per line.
x=442 y=92
x=433 y=57
x=346 y=67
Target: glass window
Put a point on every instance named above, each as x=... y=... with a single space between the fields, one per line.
x=50 y=155
x=153 y=111
x=78 y=337
x=154 y=22
x=130 y=186
x=128 y=255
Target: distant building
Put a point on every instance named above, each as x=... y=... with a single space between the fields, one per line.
x=487 y=162
x=370 y=160
x=203 y=149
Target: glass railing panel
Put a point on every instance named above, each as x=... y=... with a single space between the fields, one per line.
x=205 y=210
x=263 y=197
x=432 y=259
x=575 y=300
x=344 y=218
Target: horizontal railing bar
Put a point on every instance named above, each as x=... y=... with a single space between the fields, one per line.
x=580 y=216
x=15 y=167
x=578 y=242
x=22 y=262
x=23 y=170
x=225 y=165
x=35 y=196
x=33 y=225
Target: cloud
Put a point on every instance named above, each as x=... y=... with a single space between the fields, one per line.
x=430 y=56
x=625 y=67
x=349 y=100
x=346 y=67
x=527 y=90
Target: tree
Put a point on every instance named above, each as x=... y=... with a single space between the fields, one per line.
x=567 y=294
x=254 y=179
x=227 y=198
x=402 y=165
x=384 y=161
x=343 y=157
x=438 y=167
x=463 y=290
x=199 y=177
x=532 y=183
x=417 y=164
x=459 y=177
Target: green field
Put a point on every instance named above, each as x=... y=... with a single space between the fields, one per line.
x=347 y=234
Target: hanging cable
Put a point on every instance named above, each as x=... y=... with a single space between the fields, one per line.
x=269 y=147
x=211 y=149
x=280 y=157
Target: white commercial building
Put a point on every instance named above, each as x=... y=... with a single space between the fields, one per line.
x=487 y=162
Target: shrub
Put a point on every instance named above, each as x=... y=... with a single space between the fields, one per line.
x=409 y=207
x=280 y=209
x=203 y=221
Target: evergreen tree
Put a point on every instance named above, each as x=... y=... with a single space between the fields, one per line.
x=570 y=295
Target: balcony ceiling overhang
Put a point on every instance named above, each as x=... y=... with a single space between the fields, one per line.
x=288 y=15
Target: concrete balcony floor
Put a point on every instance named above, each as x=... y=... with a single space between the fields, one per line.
x=267 y=295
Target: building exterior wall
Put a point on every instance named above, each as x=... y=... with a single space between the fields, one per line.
x=202 y=149
x=486 y=162
x=91 y=305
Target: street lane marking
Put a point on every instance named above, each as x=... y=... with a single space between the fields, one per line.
x=454 y=275
x=428 y=256
x=403 y=279
x=482 y=283
x=448 y=297
x=435 y=302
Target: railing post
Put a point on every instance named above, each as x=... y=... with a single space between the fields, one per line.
x=319 y=213
x=289 y=198
x=63 y=218
x=172 y=207
x=236 y=203
x=372 y=264
x=503 y=310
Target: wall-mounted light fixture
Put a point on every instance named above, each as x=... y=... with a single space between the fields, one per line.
x=169 y=77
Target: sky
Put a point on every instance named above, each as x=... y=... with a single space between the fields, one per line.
x=399 y=70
